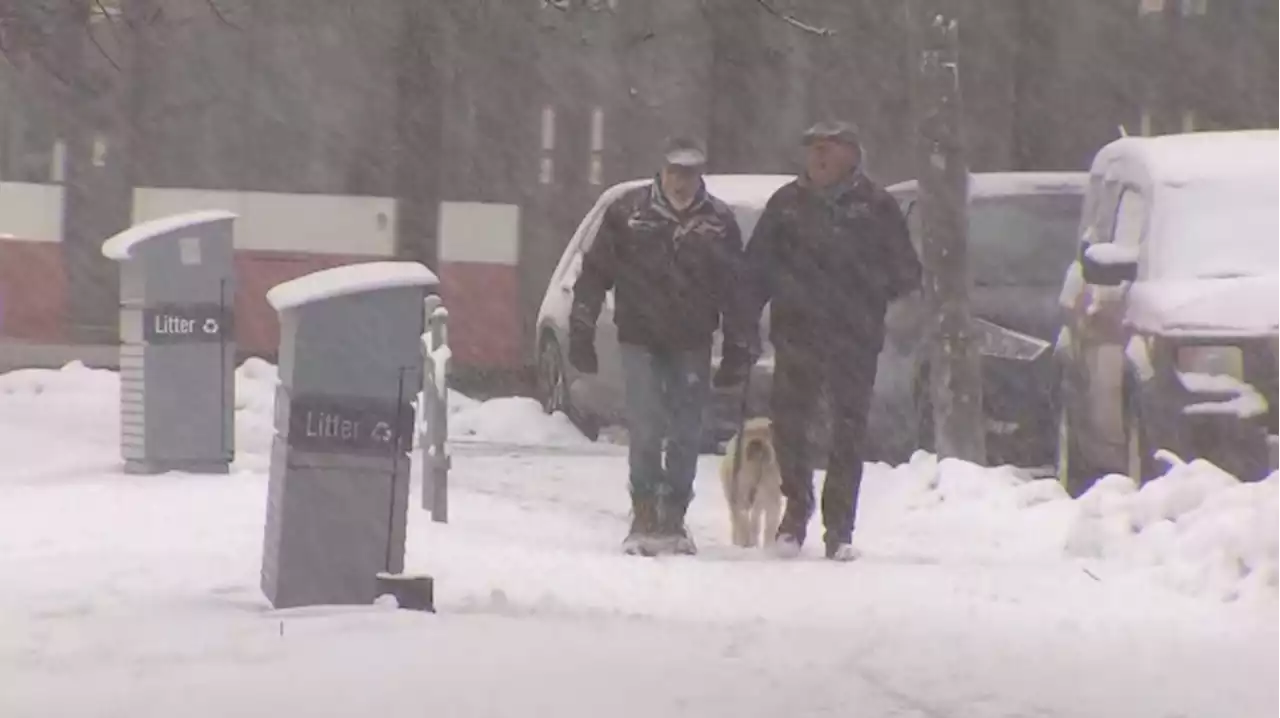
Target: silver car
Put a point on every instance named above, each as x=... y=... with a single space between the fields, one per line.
x=596 y=401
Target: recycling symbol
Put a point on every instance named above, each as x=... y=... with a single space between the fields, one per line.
x=382 y=432
x=211 y=326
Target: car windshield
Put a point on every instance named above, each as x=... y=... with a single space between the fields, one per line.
x=1026 y=240
x=1223 y=229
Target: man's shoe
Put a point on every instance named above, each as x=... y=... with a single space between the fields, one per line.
x=787 y=546
x=642 y=539
x=842 y=552
x=673 y=534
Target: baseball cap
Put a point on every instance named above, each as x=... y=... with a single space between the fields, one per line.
x=685 y=152
x=837 y=130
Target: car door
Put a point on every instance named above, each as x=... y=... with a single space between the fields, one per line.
x=1101 y=334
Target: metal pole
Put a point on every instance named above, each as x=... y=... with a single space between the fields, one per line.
x=440 y=422
x=955 y=368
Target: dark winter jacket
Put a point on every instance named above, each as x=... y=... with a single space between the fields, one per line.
x=830 y=260
x=674 y=273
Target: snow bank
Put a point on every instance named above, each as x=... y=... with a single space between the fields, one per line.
x=1196 y=528
x=513 y=420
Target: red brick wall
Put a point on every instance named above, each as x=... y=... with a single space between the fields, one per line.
x=33 y=291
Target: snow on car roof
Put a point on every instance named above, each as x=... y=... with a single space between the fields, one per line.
x=1198 y=156
x=1004 y=184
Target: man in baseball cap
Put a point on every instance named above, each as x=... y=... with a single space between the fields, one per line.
x=672 y=254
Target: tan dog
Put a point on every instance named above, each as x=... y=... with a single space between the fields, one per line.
x=756 y=493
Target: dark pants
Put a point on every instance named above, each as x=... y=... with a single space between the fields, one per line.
x=665 y=395
x=799 y=377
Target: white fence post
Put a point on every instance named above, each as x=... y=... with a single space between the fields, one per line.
x=436 y=461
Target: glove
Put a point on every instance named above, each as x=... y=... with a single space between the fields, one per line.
x=582 y=351
x=735 y=364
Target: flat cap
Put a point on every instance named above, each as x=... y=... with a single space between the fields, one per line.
x=837 y=130
x=685 y=152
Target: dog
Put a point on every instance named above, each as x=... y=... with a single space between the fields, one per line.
x=755 y=494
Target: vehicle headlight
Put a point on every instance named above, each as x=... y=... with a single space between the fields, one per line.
x=997 y=341
x=1214 y=360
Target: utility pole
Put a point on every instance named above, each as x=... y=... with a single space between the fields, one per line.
x=955 y=381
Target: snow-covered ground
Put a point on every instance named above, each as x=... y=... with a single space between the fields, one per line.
x=980 y=593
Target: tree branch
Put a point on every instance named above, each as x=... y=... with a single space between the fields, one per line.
x=791 y=20
x=213 y=5
x=88 y=30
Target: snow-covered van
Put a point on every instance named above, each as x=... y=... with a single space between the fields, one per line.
x=1171 y=310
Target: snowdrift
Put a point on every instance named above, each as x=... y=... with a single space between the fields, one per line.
x=1197 y=528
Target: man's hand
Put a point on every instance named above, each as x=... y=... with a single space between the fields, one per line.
x=582 y=351
x=735 y=363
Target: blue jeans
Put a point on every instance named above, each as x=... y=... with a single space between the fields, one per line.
x=665 y=395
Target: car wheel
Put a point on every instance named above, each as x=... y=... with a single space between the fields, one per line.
x=552 y=389
x=1072 y=472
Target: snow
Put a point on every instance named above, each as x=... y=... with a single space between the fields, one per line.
x=1197 y=529
x=349 y=279
x=1244 y=401
x=1232 y=307
x=1197 y=156
x=980 y=592
x=516 y=421
x=1109 y=254
x=1213 y=200
x=1004 y=184
x=120 y=247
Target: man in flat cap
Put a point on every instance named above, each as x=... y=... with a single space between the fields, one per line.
x=831 y=251
x=672 y=253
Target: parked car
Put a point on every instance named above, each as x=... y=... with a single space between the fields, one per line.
x=595 y=401
x=1021 y=238
x=1171 y=309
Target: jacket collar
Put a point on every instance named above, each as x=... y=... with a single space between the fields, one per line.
x=853 y=184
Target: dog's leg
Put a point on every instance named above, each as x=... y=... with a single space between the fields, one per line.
x=739 y=519
x=772 y=517
x=753 y=527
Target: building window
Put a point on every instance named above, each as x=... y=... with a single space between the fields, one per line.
x=546 y=167
x=595 y=174
x=1194 y=7
x=1149 y=7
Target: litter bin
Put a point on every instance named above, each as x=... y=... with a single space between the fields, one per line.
x=350 y=368
x=177 y=346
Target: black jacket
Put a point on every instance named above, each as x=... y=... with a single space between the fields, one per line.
x=674 y=273
x=830 y=261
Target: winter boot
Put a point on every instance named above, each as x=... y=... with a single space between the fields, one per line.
x=842 y=552
x=791 y=531
x=642 y=539
x=673 y=534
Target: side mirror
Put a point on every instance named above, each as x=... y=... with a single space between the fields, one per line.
x=1109 y=265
